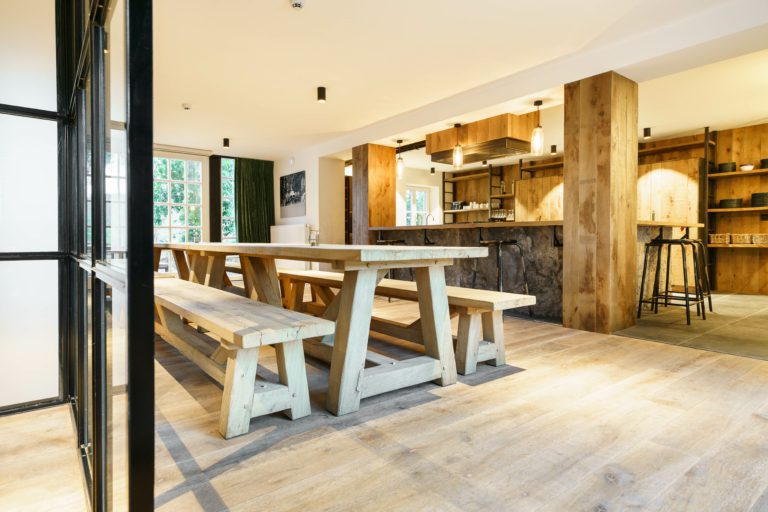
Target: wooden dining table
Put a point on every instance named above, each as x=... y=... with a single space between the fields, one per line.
x=363 y=266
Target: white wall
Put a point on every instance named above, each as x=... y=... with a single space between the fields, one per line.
x=325 y=194
x=421 y=178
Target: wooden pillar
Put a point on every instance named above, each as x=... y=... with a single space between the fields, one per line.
x=600 y=204
x=374 y=180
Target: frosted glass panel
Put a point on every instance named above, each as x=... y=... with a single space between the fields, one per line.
x=29 y=331
x=28 y=53
x=28 y=185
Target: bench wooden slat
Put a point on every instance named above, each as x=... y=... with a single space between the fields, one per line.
x=238 y=320
x=457 y=296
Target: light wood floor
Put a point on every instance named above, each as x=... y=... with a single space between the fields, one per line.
x=579 y=421
x=39 y=462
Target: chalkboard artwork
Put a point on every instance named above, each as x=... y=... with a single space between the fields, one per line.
x=293 y=195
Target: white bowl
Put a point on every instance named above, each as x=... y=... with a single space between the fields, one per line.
x=747 y=167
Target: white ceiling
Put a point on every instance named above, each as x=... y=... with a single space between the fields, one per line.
x=250 y=69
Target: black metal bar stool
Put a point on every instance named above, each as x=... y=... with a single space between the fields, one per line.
x=498 y=245
x=700 y=277
x=381 y=241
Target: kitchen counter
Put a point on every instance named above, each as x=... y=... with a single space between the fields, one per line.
x=540 y=223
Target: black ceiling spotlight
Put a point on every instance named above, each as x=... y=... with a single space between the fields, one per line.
x=226 y=142
x=646 y=133
x=485 y=163
x=553 y=149
x=321 y=94
x=432 y=170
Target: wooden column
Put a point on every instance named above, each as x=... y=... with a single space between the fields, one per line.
x=600 y=204
x=374 y=180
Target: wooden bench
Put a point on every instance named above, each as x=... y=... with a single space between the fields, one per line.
x=480 y=336
x=242 y=327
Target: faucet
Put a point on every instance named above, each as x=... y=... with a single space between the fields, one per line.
x=428 y=216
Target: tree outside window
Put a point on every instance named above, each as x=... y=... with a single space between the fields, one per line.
x=178 y=200
x=228 y=218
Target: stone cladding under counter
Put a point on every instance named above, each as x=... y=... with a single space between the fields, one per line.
x=543 y=263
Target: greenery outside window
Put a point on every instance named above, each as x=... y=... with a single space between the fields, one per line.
x=178 y=200
x=228 y=216
x=416 y=206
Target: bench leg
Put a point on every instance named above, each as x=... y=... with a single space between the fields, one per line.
x=239 y=387
x=468 y=343
x=493 y=331
x=293 y=373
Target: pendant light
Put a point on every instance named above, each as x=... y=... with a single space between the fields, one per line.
x=400 y=162
x=458 y=152
x=537 y=137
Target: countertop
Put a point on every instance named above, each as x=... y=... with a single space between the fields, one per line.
x=542 y=223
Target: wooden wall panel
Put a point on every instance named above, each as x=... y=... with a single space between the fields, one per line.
x=669 y=190
x=539 y=198
x=741 y=270
x=600 y=203
x=492 y=128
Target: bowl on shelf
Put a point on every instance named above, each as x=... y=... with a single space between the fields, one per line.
x=720 y=238
x=732 y=203
x=760 y=239
x=747 y=167
x=759 y=199
x=764 y=163
x=726 y=167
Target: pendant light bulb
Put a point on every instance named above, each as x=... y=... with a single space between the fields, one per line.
x=458 y=151
x=400 y=166
x=537 y=137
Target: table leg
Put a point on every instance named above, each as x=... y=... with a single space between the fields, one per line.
x=351 y=341
x=263 y=285
x=436 y=321
x=157 y=253
x=181 y=264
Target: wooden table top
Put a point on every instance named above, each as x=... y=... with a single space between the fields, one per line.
x=333 y=253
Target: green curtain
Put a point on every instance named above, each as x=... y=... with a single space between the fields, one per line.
x=254 y=199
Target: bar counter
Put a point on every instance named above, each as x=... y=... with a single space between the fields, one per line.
x=541 y=245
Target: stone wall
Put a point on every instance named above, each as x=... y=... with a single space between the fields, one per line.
x=543 y=262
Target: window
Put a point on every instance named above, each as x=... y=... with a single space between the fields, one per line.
x=228 y=219
x=178 y=200
x=416 y=206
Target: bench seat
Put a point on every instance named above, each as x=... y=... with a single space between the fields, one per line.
x=480 y=336
x=241 y=327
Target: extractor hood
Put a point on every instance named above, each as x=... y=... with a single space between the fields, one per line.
x=488 y=150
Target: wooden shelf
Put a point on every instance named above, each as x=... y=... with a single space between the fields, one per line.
x=467 y=178
x=736 y=174
x=739 y=210
x=738 y=246
x=550 y=165
x=502 y=196
x=467 y=210
x=673 y=147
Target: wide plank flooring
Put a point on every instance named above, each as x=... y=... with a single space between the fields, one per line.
x=579 y=421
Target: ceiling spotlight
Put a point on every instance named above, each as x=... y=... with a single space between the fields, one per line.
x=321 y=94
x=485 y=163
x=432 y=170
x=400 y=162
x=225 y=143
x=553 y=149
x=186 y=106
x=537 y=137
x=646 y=133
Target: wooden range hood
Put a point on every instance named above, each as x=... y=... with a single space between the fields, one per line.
x=496 y=137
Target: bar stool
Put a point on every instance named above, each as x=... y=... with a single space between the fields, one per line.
x=498 y=245
x=393 y=242
x=700 y=277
